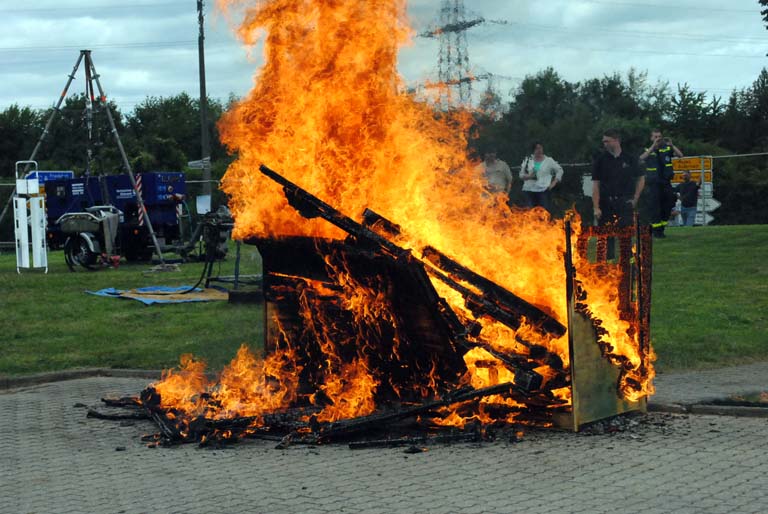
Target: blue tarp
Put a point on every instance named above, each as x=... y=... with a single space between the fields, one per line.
x=163 y=294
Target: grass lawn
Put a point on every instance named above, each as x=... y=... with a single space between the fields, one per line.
x=710 y=308
x=49 y=323
x=710 y=296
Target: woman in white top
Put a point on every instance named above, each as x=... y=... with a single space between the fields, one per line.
x=540 y=173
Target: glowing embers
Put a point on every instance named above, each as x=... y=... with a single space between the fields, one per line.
x=383 y=317
x=386 y=319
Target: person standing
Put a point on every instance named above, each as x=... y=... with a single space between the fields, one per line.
x=540 y=173
x=617 y=182
x=498 y=176
x=658 y=176
x=689 y=199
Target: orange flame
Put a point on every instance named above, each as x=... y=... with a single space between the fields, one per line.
x=329 y=113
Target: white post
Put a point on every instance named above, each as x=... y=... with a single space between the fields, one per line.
x=29 y=223
x=21 y=220
x=37 y=223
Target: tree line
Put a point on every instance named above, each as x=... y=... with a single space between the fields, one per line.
x=567 y=117
x=161 y=133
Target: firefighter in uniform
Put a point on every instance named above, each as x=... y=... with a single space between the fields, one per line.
x=660 y=197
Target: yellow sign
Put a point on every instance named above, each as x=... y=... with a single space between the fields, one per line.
x=695 y=177
x=692 y=163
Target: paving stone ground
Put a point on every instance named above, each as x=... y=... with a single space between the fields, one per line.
x=55 y=460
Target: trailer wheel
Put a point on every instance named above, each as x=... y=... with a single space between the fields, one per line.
x=77 y=253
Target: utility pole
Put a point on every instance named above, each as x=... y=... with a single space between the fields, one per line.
x=455 y=78
x=453 y=60
x=204 y=136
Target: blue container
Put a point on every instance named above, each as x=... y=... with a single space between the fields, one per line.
x=162 y=191
x=70 y=195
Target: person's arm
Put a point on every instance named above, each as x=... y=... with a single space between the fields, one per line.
x=647 y=152
x=510 y=178
x=675 y=150
x=639 y=185
x=558 y=174
x=596 y=198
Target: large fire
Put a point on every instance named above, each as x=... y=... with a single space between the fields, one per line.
x=330 y=111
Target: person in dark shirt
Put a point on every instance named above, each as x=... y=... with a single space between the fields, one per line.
x=617 y=182
x=689 y=198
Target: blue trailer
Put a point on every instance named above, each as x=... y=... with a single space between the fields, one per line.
x=162 y=191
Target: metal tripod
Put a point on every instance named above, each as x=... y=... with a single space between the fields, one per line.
x=90 y=77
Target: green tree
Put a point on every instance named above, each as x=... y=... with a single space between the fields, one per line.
x=67 y=144
x=160 y=124
x=610 y=96
x=689 y=111
x=20 y=127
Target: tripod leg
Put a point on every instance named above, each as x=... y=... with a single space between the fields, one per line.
x=47 y=126
x=126 y=164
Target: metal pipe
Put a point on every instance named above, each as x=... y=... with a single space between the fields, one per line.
x=204 y=136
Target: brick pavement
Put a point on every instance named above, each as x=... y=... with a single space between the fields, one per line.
x=701 y=385
x=55 y=460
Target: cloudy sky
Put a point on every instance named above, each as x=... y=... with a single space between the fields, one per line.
x=149 y=47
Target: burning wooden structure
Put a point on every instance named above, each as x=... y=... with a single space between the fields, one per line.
x=418 y=341
x=467 y=313
x=367 y=341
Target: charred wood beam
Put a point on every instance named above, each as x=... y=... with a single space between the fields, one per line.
x=125 y=401
x=472 y=437
x=286 y=421
x=512 y=360
x=93 y=413
x=495 y=301
x=150 y=400
x=525 y=377
x=310 y=206
x=540 y=353
x=476 y=303
x=168 y=429
x=379 y=223
x=493 y=293
x=347 y=427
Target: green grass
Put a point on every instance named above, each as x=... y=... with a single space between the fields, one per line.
x=48 y=322
x=710 y=296
x=710 y=308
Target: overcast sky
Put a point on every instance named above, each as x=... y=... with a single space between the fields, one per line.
x=149 y=47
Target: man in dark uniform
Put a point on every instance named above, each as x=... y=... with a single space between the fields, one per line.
x=658 y=175
x=617 y=182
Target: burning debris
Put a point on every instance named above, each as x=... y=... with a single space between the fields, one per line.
x=444 y=307
x=359 y=340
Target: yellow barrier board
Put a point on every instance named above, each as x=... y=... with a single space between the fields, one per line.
x=692 y=163
x=695 y=177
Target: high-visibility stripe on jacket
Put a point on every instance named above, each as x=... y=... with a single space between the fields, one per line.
x=660 y=155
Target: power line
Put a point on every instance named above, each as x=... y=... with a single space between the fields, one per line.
x=705 y=37
x=145 y=44
x=650 y=52
x=669 y=6
x=92 y=8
